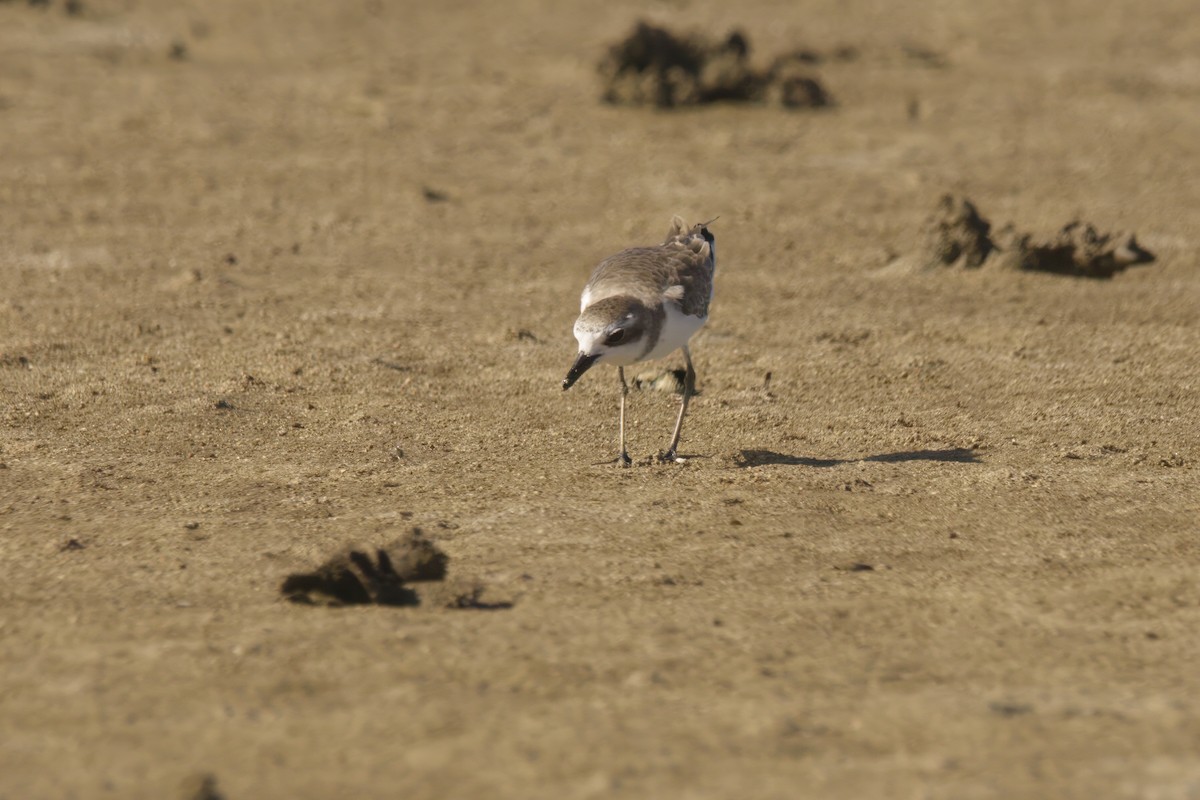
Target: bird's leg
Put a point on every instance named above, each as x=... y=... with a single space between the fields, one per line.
x=623 y=459
x=689 y=386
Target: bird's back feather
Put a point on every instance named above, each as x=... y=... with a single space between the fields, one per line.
x=686 y=259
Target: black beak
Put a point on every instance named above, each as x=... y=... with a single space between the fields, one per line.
x=581 y=365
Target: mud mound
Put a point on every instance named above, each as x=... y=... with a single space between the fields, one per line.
x=1078 y=250
x=955 y=234
x=358 y=576
x=653 y=66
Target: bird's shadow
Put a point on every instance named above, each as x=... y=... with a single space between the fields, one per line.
x=760 y=458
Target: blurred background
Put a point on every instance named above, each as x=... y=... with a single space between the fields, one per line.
x=280 y=277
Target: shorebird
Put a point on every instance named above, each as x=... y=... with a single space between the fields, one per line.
x=645 y=303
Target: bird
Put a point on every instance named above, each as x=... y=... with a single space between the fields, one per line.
x=642 y=304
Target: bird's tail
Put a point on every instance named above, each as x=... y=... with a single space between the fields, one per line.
x=692 y=237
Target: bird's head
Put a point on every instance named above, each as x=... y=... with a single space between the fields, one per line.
x=611 y=331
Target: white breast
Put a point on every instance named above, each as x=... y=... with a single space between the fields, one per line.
x=678 y=329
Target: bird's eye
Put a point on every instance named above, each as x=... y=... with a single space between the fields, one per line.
x=615 y=337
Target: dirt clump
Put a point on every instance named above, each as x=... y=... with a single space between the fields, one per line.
x=463 y=595
x=356 y=576
x=653 y=66
x=416 y=558
x=956 y=235
x=1078 y=250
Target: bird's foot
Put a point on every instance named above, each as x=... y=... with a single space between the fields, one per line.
x=670 y=457
x=622 y=460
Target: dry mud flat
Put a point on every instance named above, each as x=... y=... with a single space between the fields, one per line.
x=284 y=283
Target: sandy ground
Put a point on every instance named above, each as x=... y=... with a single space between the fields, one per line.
x=950 y=551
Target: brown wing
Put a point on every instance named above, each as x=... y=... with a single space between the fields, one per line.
x=648 y=273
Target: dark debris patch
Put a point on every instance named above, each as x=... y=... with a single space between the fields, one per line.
x=382 y=576
x=359 y=576
x=957 y=235
x=1078 y=250
x=653 y=66
x=351 y=578
x=1005 y=709
x=472 y=598
x=387 y=364
x=15 y=360
x=522 y=335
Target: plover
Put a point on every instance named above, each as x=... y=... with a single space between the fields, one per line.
x=644 y=303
